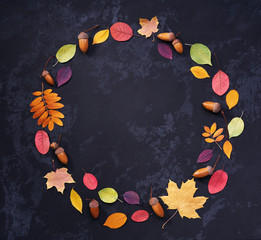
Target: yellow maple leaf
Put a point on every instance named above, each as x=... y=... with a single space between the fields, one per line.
x=148 y=27
x=182 y=198
x=58 y=179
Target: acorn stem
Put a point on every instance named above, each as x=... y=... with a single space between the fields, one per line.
x=225 y=122
x=218 y=145
x=60 y=135
x=91 y=28
x=150 y=192
x=177 y=34
x=47 y=63
x=53 y=166
x=217 y=61
x=169 y=219
x=216 y=162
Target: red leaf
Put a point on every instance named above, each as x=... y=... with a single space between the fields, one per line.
x=90 y=181
x=220 y=83
x=121 y=31
x=217 y=181
x=165 y=50
x=42 y=142
x=140 y=216
x=205 y=156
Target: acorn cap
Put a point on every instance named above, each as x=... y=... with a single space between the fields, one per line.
x=93 y=203
x=44 y=73
x=216 y=107
x=54 y=145
x=83 y=35
x=153 y=201
x=59 y=150
x=175 y=41
x=210 y=170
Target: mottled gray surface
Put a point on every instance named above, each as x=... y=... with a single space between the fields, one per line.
x=133 y=118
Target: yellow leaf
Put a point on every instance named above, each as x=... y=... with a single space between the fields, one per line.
x=42 y=118
x=46 y=121
x=182 y=199
x=218 y=132
x=148 y=27
x=219 y=138
x=205 y=134
x=50 y=125
x=227 y=148
x=199 y=72
x=57 y=121
x=101 y=36
x=209 y=140
x=55 y=113
x=76 y=200
x=47 y=91
x=213 y=128
x=207 y=129
x=232 y=98
x=55 y=105
x=37 y=93
x=35 y=101
x=115 y=220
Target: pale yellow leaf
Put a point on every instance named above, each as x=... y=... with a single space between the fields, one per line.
x=101 y=36
x=232 y=98
x=199 y=72
x=148 y=27
x=76 y=200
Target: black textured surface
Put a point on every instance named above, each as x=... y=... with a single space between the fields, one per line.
x=132 y=118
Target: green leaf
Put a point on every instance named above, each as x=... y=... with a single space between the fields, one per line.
x=235 y=127
x=200 y=54
x=108 y=195
x=66 y=53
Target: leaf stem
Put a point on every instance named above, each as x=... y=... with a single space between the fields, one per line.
x=216 y=162
x=153 y=37
x=242 y=114
x=60 y=135
x=177 y=34
x=169 y=219
x=137 y=36
x=187 y=44
x=119 y=200
x=218 y=145
x=55 y=63
x=91 y=28
x=225 y=122
x=84 y=170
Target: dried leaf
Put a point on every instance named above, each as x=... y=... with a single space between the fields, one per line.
x=219 y=138
x=164 y=50
x=76 y=200
x=108 y=195
x=207 y=129
x=232 y=98
x=200 y=54
x=66 y=53
x=235 y=127
x=205 y=156
x=131 y=197
x=121 y=31
x=199 y=72
x=213 y=128
x=58 y=179
x=218 y=132
x=90 y=181
x=140 y=216
x=101 y=36
x=205 y=134
x=42 y=142
x=209 y=140
x=217 y=181
x=148 y=27
x=220 y=83
x=182 y=199
x=115 y=220
x=227 y=148
x=63 y=75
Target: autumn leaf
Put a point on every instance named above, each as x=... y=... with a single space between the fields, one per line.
x=212 y=134
x=131 y=197
x=205 y=156
x=90 y=181
x=232 y=98
x=76 y=200
x=199 y=72
x=115 y=220
x=227 y=148
x=217 y=182
x=148 y=27
x=200 y=54
x=42 y=142
x=58 y=179
x=235 y=127
x=101 y=36
x=140 y=216
x=66 y=53
x=121 y=31
x=220 y=83
x=108 y=195
x=63 y=75
x=165 y=50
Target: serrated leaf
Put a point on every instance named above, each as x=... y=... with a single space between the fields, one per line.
x=220 y=83
x=199 y=72
x=63 y=75
x=90 y=181
x=66 y=53
x=121 y=31
x=165 y=51
x=115 y=220
x=101 y=36
x=227 y=148
x=108 y=195
x=235 y=127
x=76 y=200
x=131 y=197
x=140 y=216
x=42 y=142
x=213 y=128
x=200 y=54
x=217 y=181
x=205 y=156
x=148 y=27
x=232 y=98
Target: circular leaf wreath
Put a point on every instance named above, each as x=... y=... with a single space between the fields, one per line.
x=46 y=104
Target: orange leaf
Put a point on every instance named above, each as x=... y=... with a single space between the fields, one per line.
x=37 y=93
x=51 y=95
x=207 y=129
x=55 y=105
x=46 y=121
x=52 y=100
x=47 y=91
x=205 y=134
x=57 y=121
x=213 y=128
x=148 y=27
x=219 y=138
x=55 y=113
x=39 y=112
x=218 y=132
x=227 y=148
x=42 y=118
x=50 y=125
x=209 y=140
x=36 y=107
x=115 y=220
x=35 y=101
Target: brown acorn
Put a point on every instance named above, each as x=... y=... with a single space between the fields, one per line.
x=214 y=107
x=59 y=152
x=178 y=45
x=83 y=42
x=48 y=78
x=156 y=207
x=94 y=208
x=203 y=172
x=168 y=36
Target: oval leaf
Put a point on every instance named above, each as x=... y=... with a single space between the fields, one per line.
x=42 y=142
x=100 y=36
x=131 y=197
x=205 y=156
x=219 y=138
x=115 y=220
x=63 y=76
x=121 y=31
x=199 y=72
x=220 y=83
x=218 y=132
x=140 y=216
x=90 y=181
x=232 y=98
x=200 y=54
x=235 y=127
x=76 y=200
x=227 y=148
x=108 y=195
x=217 y=181
x=164 y=50
x=213 y=128
x=66 y=53
x=209 y=140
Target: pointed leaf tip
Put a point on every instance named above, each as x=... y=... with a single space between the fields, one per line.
x=200 y=54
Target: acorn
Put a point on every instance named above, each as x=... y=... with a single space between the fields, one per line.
x=48 y=78
x=83 y=42
x=203 y=172
x=168 y=36
x=156 y=207
x=59 y=152
x=178 y=45
x=214 y=107
x=94 y=208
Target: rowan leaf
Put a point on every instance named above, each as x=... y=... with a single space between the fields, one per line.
x=235 y=127
x=217 y=181
x=209 y=140
x=148 y=27
x=42 y=142
x=121 y=31
x=227 y=148
x=220 y=83
x=101 y=36
x=131 y=197
x=55 y=105
x=51 y=125
x=66 y=53
x=108 y=195
x=42 y=118
x=213 y=128
x=205 y=156
x=57 y=121
x=218 y=132
x=207 y=129
x=55 y=113
x=205 y=134
x=36 y=107
x=199 y=72
x=76 y=200
x=219 y=138
x=90 y=181
x=165 y=51
x=140 y=216
x=39 y=112
x=46 y=121
x=232 y=98
x=58 y=179
x=115 y=220
x=63 y=75
x=200 y=54
x=183 y=199
x=35 y=101
x=47 y=91
x=37 y=93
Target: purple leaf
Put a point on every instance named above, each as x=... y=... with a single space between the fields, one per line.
x=205 y=156
x=164 y=50
x=63 y=76
x=131 y=197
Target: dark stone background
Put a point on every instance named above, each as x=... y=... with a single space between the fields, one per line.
x=133 y=118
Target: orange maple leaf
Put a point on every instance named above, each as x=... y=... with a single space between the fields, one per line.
x=148 y=27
